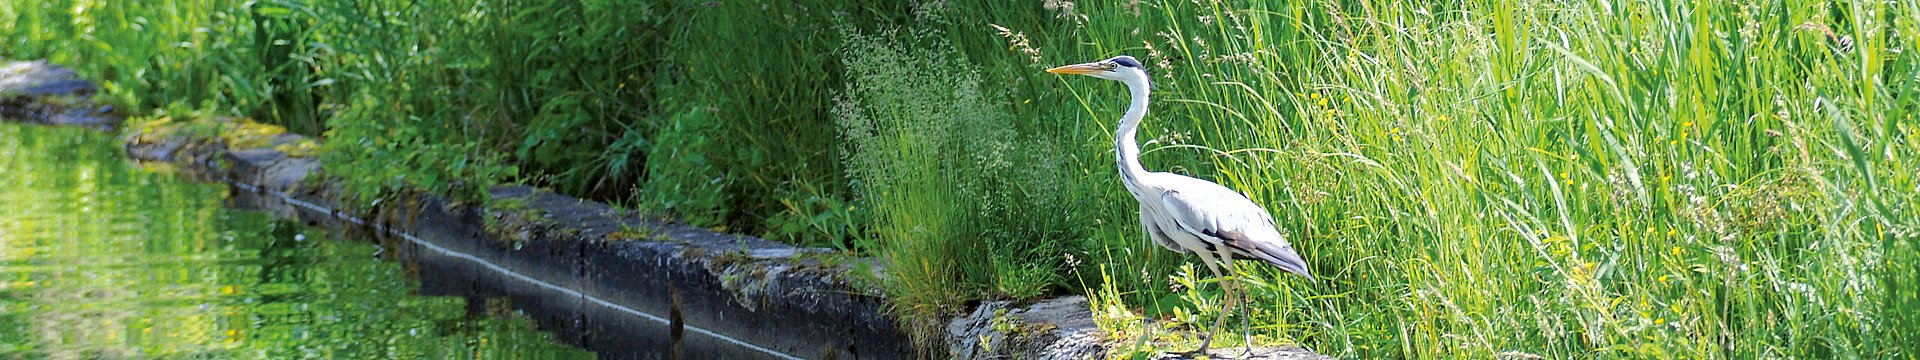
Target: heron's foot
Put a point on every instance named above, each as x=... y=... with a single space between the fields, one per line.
x=1246 y=342
x=1196 y=353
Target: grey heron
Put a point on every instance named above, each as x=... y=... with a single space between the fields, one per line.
x=1185 y=214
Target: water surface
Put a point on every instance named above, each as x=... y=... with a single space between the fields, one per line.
x=100 y=258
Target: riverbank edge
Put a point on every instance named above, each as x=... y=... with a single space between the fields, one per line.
x=736 y=289
x=786 y=301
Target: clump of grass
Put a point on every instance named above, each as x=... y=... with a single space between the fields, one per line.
x=685 y=175
x=379 y=158
x=954 y=203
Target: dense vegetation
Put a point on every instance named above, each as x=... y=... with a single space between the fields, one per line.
x=1561 y=179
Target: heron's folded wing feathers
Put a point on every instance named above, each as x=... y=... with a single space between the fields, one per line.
x=1220 y=214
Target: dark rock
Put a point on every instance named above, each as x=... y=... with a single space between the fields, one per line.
x=38 y=92
x=39 y=78
x=1060 y=328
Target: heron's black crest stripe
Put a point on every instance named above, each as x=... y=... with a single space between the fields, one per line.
x=1127 y=61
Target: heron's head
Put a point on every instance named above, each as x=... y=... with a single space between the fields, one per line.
x=1120 y=68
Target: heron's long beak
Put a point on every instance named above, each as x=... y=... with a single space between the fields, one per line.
x=1080 y=69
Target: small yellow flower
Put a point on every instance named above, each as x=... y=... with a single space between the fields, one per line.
x=1663 y=279
x=1687 y=124
x=1660 y=321
x=1676 y=251
x=1670 y=233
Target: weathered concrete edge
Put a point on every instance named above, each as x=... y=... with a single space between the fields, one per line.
x=768 y=294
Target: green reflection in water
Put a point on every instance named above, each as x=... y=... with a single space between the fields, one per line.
x=101 y=259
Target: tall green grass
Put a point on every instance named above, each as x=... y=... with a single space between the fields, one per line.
x=1485 y=179
x=1471 y=179
x=959 y=202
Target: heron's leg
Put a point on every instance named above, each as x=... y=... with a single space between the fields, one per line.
x=1222 y=319
x=1245 y=327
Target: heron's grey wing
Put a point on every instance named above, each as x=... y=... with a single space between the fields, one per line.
x=1223 y=216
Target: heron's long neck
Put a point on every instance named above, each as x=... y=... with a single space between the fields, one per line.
x=1126 y=146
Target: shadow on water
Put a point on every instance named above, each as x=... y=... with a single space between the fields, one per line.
x=102 y=259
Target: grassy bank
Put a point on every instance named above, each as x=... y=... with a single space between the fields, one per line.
x=1561 y=179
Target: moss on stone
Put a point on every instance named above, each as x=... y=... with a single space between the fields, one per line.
x=514 y=220
x=234 y=133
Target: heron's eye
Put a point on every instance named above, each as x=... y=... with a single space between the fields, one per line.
x=1107 y=66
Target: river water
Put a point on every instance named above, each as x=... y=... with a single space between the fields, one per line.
x=102 y=258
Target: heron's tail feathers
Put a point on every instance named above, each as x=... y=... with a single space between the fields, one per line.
x=1282 y=255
